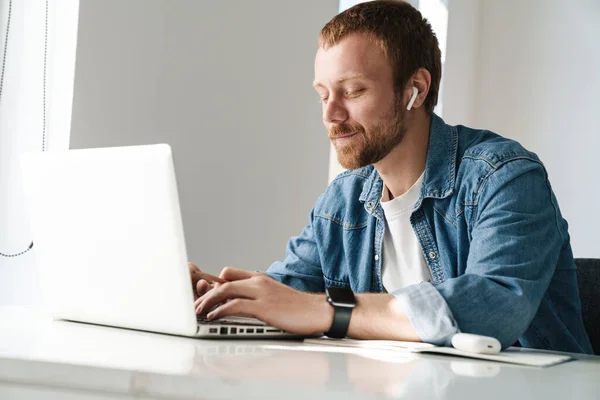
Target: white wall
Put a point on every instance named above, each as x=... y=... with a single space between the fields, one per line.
x=229 y=85
x=535 y=78
x=22 y=119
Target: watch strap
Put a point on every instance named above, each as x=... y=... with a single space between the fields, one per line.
x=341 y=321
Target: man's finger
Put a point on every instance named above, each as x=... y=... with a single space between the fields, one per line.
x=236 y=274
x=239 y=307
x=202 y=287
x=193 y=267
x=199 y=311
x=196 y=274
x=226 y=291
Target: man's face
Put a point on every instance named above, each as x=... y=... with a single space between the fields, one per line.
x=361 y=111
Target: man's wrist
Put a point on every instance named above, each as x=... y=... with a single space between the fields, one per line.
x=324 y=313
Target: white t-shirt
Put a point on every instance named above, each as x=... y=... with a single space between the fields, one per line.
x=403 y=263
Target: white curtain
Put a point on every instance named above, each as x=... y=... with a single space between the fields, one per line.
x=38 y=40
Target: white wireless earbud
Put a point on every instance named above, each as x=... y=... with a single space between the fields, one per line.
x=413 y=98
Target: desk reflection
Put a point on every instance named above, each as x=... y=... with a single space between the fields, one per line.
x=290 y=363
x=251 y=361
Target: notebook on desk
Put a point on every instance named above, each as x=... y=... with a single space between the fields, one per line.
x=109 y=242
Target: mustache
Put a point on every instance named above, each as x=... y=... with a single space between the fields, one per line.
x=344 y=129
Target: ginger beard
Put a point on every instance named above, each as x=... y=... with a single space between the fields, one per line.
x=366 y=148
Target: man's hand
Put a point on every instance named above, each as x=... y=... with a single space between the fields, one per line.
x=254 y=294
x=201 y=281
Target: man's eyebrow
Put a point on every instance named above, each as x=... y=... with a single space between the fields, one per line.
x=348 y=77
x=342 y=79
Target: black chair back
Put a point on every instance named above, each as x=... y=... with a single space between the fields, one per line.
x=588 y=280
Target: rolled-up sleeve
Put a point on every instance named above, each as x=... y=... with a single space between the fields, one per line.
x=428 y=312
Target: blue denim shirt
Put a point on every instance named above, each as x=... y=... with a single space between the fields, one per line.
x=491 y=232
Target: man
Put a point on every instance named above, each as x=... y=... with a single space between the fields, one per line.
x=437 y=229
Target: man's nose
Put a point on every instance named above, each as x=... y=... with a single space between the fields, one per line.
x=334 y=111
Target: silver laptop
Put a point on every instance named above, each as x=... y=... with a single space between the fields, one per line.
x=109 y=242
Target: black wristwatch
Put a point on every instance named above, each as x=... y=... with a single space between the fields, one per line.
x=343 y=301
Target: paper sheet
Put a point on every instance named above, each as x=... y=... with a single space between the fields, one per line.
x=512 y=355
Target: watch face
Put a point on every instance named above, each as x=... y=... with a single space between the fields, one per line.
x=341 y=297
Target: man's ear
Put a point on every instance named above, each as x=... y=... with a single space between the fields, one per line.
x=422 y=81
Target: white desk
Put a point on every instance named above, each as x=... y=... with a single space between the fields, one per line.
x=45 y=359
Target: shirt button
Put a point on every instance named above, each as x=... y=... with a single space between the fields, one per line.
x=376 y=257
x=370 y=205
x=432 y=255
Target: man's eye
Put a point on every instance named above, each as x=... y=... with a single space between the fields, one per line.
x=354 y=93
x=323 y=100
